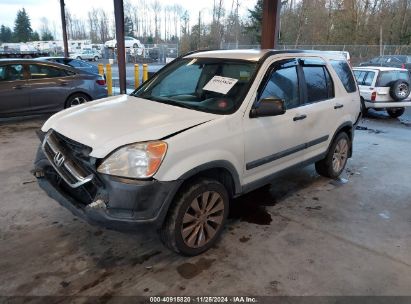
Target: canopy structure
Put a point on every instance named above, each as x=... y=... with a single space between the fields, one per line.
x=269 y=32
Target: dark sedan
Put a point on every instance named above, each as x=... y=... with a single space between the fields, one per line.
x=75 y=63
x=34 y=87
x=394 y=61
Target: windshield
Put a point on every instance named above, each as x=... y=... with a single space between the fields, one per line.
x=204 y=84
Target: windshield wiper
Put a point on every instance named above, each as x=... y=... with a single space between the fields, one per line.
x=167 y=101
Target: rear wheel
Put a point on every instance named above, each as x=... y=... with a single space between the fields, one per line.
x=395 y=112
x=78 y=57
x=76 y=99
x=95 y=58
x=197 y=217
x=364 y=109
x=334 y=163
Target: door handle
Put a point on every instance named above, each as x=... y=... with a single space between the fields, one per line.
x=300 y=117
x=338 y=106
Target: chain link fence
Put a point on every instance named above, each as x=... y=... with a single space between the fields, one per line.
x=358 y=53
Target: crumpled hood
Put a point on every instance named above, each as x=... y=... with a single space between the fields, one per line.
x=109 y=123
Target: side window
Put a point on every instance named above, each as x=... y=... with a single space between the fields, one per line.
x=368 y=79
x=283 y=83
x=11 y=72
x=343 y=71
x=376 y=60
x=359 y=75
x=42 y=71
x=319 y=85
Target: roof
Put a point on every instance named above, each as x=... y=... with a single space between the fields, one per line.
x=256 y=55
x=377 y=68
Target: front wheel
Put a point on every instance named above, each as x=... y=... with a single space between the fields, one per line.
x=78 y=57
x=95 y=58
x=395 y=112
x=334 y=163
x=196 y=218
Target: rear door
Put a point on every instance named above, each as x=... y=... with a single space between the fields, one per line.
x=14 y=98
x=320 y=105
x=365 y=80
x=49 y=87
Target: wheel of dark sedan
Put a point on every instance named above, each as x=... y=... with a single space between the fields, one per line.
x=399 y=90
x=196 y=218
x=76 y=99
x=334 y=163
x=395 y=112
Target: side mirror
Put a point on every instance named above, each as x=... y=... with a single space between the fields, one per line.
x=270 y=106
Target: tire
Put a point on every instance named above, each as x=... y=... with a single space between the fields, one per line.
x=334 y=163
x=364 y=109
x=399 y=90
x=96 y=58
x=76 y=99
x=184 y=207
x=135 y=45
x=78 y=57
x=395 y=112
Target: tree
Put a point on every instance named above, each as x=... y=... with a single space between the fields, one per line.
x=45 y=31
x=6 y=35
x=256 y=19
x=22 y=27
x=35 y=36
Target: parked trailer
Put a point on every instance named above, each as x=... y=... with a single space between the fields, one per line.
x=26 y=55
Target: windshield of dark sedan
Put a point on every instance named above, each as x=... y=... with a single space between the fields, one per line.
x=204 y=84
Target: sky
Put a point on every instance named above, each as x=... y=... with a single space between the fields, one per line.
x=37 y=9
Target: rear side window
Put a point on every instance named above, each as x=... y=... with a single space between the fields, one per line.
x=42 y=71
x=343 y=71
x=319 y=84
x=368 y=79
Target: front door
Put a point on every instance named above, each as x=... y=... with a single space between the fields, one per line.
x=277 y=142
x=14 y=98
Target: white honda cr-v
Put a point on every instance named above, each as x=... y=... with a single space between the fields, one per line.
x=207 y=127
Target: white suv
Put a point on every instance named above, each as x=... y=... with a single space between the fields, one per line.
x=383 y=88
x=208 y=127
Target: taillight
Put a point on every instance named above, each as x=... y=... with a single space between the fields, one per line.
x=373 y=96
x=101 y=82
x=403 y=66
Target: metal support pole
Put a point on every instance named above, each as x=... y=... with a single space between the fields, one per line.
x=271 y=24
x=121 y=50
x=64 y=28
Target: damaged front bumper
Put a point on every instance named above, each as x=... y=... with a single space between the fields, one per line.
x=116 y=203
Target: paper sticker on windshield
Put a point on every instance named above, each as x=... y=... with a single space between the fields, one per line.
x=220 y=84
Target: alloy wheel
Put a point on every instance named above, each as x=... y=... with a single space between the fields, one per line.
x=340 y=155
x=202 y=219
x=77 y=101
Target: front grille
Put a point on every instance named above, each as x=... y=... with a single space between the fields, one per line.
x=63 y=155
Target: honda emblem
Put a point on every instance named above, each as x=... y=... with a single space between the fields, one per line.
x=58 y=159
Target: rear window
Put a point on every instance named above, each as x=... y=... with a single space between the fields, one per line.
x=343 y=71
x=386 y=78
